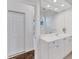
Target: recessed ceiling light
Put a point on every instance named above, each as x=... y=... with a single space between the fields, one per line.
x=56 y=9
x=62 y=5
x=54 y=0
x=48 y=6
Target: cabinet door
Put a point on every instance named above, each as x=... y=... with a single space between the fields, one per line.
x=53 y=50
x=70 y=43
x=67 y=45
x=44 y=50
x=56 y=49
x=15 y=32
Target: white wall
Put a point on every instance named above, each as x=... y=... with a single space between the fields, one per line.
x=19 y=6
x=64 y=19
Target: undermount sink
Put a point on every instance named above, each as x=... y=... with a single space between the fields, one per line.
x=53 y=36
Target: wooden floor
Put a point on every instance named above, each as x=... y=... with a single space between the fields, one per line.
x=28 y=55
x=68 y=56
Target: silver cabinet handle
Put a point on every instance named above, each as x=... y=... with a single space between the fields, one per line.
x=64 y=39
x=56 y=46
x=54 y=42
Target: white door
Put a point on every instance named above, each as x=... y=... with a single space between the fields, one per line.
x=16 y=23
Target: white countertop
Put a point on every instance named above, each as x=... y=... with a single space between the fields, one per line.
x=53 y=36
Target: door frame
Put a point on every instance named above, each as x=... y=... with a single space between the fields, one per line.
x=22 y=8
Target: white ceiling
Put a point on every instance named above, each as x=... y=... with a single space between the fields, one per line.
x=69 y=1
x=57 y=6
x=51 y=5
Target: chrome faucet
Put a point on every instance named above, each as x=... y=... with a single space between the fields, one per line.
x=64 y=30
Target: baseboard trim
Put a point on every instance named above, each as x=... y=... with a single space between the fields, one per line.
x=16 y=54
x=23 y=55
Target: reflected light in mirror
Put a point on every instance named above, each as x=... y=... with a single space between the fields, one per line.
x=54 y=0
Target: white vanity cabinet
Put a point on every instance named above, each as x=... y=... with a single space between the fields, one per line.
x=54 y=47
x=51 y=50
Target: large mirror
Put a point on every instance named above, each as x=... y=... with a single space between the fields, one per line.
x=54 y=17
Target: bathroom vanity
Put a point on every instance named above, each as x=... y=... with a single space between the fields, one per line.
x=55 y=46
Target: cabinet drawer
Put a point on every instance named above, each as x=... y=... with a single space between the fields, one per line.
x=53 y=44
